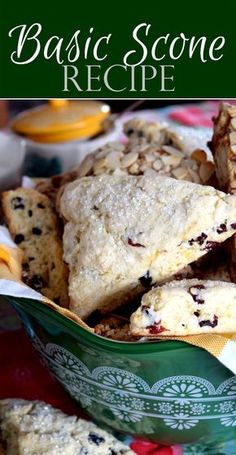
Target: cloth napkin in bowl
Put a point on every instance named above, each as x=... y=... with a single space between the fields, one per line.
x=221 y=346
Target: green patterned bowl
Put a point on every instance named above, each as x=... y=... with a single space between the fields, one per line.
x=169 y=392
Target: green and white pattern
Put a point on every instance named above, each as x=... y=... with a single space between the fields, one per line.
x=180 y=402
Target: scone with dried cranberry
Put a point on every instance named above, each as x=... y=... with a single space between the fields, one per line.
x=187 y=307
x=125 y=233
x=33 y=227
x=36 y=428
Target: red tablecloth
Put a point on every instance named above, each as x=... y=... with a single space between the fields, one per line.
x=23 y=375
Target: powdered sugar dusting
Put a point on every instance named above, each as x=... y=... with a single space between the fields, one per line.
x=161 y=213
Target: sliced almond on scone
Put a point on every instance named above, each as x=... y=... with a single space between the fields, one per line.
x=152 y=149
x=223 y=146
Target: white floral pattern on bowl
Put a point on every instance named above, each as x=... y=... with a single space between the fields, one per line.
x=181 y=402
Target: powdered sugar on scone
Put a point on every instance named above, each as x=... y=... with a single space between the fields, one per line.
x=123 y=234
x=34 y=427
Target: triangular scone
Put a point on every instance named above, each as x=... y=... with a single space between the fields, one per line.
x=223 y=146
x=36 y=428
x=123 y=234
x=187 y=307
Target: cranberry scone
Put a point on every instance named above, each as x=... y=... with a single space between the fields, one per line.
x=33 y=227
x=34 y=427
x=125 y=233
x=187 y=307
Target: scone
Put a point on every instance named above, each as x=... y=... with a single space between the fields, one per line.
x=187 y=307
x=35 y=428
x=51 y=186
x=152 y=149
x=149 y=159
x=152 y=132
x=123 y=234
x=33 y=226
x=223 y=147
x=115 y=328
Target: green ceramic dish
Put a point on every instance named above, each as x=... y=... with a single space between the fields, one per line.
x=169 y=392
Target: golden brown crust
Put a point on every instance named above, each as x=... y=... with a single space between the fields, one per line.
x=223 y=146
x=33 y=226
x=51 y=187
x=114 y=327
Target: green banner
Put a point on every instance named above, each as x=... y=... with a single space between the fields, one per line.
x=118 y=50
